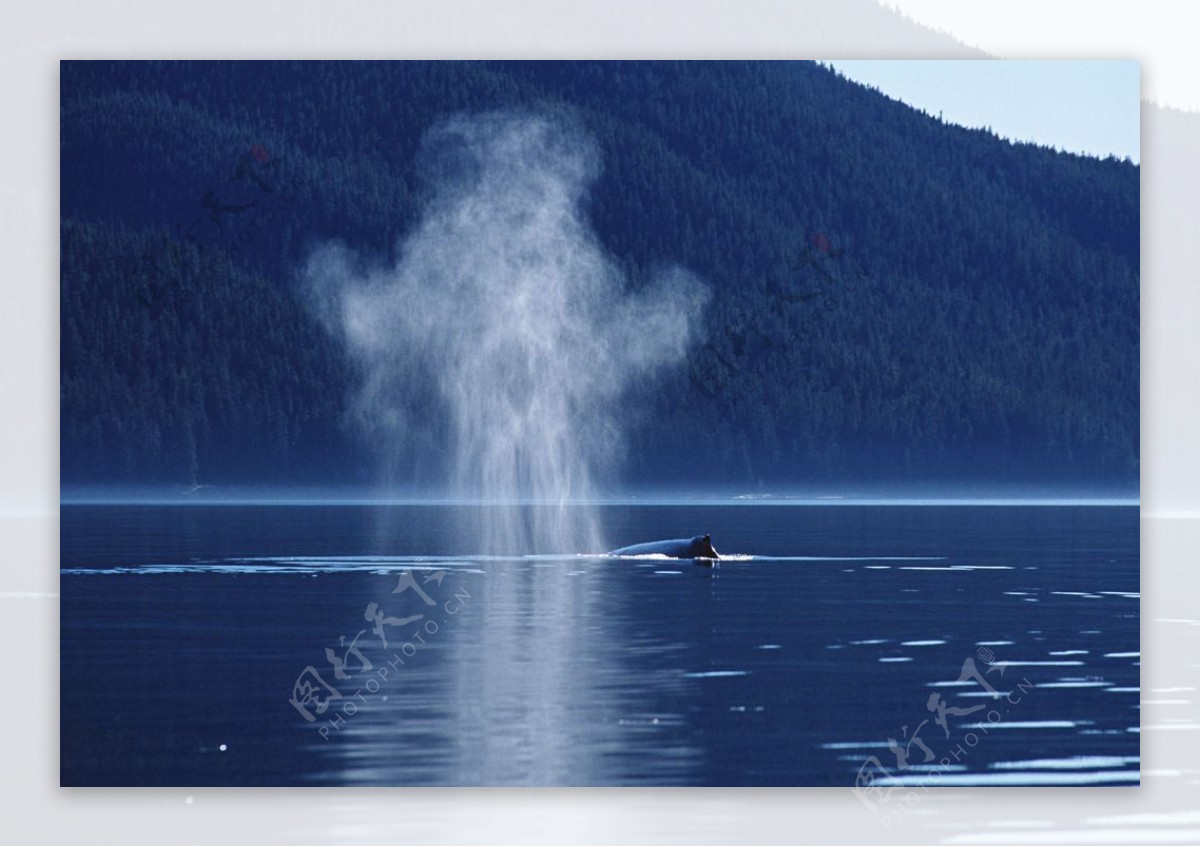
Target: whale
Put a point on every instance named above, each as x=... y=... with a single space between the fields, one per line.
x=697 y=547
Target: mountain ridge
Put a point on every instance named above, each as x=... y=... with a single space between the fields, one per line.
x=971 y=311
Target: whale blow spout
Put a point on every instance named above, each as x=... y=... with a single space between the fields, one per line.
x=698 y=547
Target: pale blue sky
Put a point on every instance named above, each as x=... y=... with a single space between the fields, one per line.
x=1084 y=106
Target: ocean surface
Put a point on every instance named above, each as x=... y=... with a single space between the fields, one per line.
x=838 y=644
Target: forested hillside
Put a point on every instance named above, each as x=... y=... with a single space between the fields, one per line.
x=894 y=298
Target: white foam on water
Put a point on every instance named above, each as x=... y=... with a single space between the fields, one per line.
x=378 y=564
x=712 y=674
x=1026 y=725
x=1068 y=763
x=855 y=745
x=314 y=565
x=1031 y=778
x=275 y=569
x=847 y=559
x=956 y=568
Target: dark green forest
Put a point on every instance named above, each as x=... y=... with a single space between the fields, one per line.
x=895 y=299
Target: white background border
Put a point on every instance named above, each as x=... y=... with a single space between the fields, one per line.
x=34 y=36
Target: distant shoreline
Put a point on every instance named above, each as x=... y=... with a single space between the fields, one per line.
x=117 y=498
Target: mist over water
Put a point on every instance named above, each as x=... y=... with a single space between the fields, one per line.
x=499 y=347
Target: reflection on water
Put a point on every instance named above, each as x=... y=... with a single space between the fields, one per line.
x=542 y=678
x=810 y=655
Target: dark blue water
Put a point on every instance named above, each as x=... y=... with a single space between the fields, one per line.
x=964 y=644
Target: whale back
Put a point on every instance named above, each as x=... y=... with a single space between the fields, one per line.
x=702 y=548
x=696 y=547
